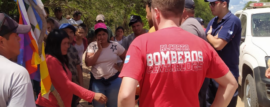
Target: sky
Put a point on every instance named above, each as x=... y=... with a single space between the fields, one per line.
x=236 y=5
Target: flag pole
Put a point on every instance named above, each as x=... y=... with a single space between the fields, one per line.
x=40 y=41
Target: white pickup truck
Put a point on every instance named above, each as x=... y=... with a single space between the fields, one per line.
x=254 y=55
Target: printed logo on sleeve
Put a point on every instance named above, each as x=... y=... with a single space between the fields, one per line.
x=127 y=59
x=230 y=32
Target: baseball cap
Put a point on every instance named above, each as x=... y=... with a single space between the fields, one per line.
x=100 y=26
x=228 y=1
x=57 y=9
x=8 y=25
x=67 y=25
x=189 y=4
x=200 y=20
x=134 y=19
x=100 y=17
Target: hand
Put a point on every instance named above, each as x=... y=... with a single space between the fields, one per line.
x=267 y=73
x=99 y=44
x=100 y=98
x=210 y=31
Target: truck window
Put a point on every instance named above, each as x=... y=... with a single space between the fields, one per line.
x=260 y=25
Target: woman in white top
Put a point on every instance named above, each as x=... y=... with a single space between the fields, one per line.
x=79 y=42
x=102 y=56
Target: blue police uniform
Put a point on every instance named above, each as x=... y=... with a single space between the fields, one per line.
x=228 y=29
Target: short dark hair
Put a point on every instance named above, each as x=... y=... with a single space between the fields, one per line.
x=77 y=13
x=7 y=35
x=169 y=7
x=119 y=27
x=99 y=30
x=149 y=3
x=53 y=46
x=58 y=9
x=50 y=20
x=82 y=26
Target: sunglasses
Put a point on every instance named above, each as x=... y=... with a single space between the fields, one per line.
x=213 y=4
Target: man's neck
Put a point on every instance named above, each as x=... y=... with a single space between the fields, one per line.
x=222 y=15
x=166 y=23
x=76 y=19
x=78 y=39
x=136 y=35
x=184 y=18
x=5 y=55
x=118 y=38
x=59 y=18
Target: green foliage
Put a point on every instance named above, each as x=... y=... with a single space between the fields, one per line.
x=117 y=12
x=264 y=0
x=203 y=11
x=9 y=7
x=248 y=3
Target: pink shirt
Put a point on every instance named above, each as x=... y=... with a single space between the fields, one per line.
x=171 y=65
x=61 y=80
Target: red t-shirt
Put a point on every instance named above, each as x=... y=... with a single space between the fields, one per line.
x=171 y=65
x=61 y=80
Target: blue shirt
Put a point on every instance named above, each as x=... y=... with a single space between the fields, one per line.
x=230 y=32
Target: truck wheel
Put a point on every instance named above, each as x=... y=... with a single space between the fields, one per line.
x=250 y=94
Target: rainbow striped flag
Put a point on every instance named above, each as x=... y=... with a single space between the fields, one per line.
x=29 y=56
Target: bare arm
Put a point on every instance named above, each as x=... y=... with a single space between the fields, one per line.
x=226 y=90
x=80 y=76
x=127 y=92
x=216 y=42
x=267 y=73
x=91 y=58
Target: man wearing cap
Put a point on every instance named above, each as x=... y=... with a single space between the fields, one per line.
x=99 y=19
x=201 y=21
x=16 y=87
x=74 y=60
x=189 y=23
x=59 y=16
x=137 y=27
x=76 y=20
x=224 y=34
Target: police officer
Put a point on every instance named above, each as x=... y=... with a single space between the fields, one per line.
x=224 y=34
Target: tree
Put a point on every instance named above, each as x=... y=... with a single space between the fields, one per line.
x=248 y=3
x=117 y=12
x=9 y=7
x=203 y=11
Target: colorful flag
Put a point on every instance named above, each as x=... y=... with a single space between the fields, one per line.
x=29 y=57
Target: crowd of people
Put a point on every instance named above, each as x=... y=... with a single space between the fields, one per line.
x=177 y=62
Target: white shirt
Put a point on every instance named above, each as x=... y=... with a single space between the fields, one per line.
x=120 y=42
x=62 y=21
x=75 y=23
x=15 y=85
x=119 y=60
x=80 y=49
x=108 y=57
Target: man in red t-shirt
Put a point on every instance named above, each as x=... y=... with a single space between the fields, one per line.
x=171 y=64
